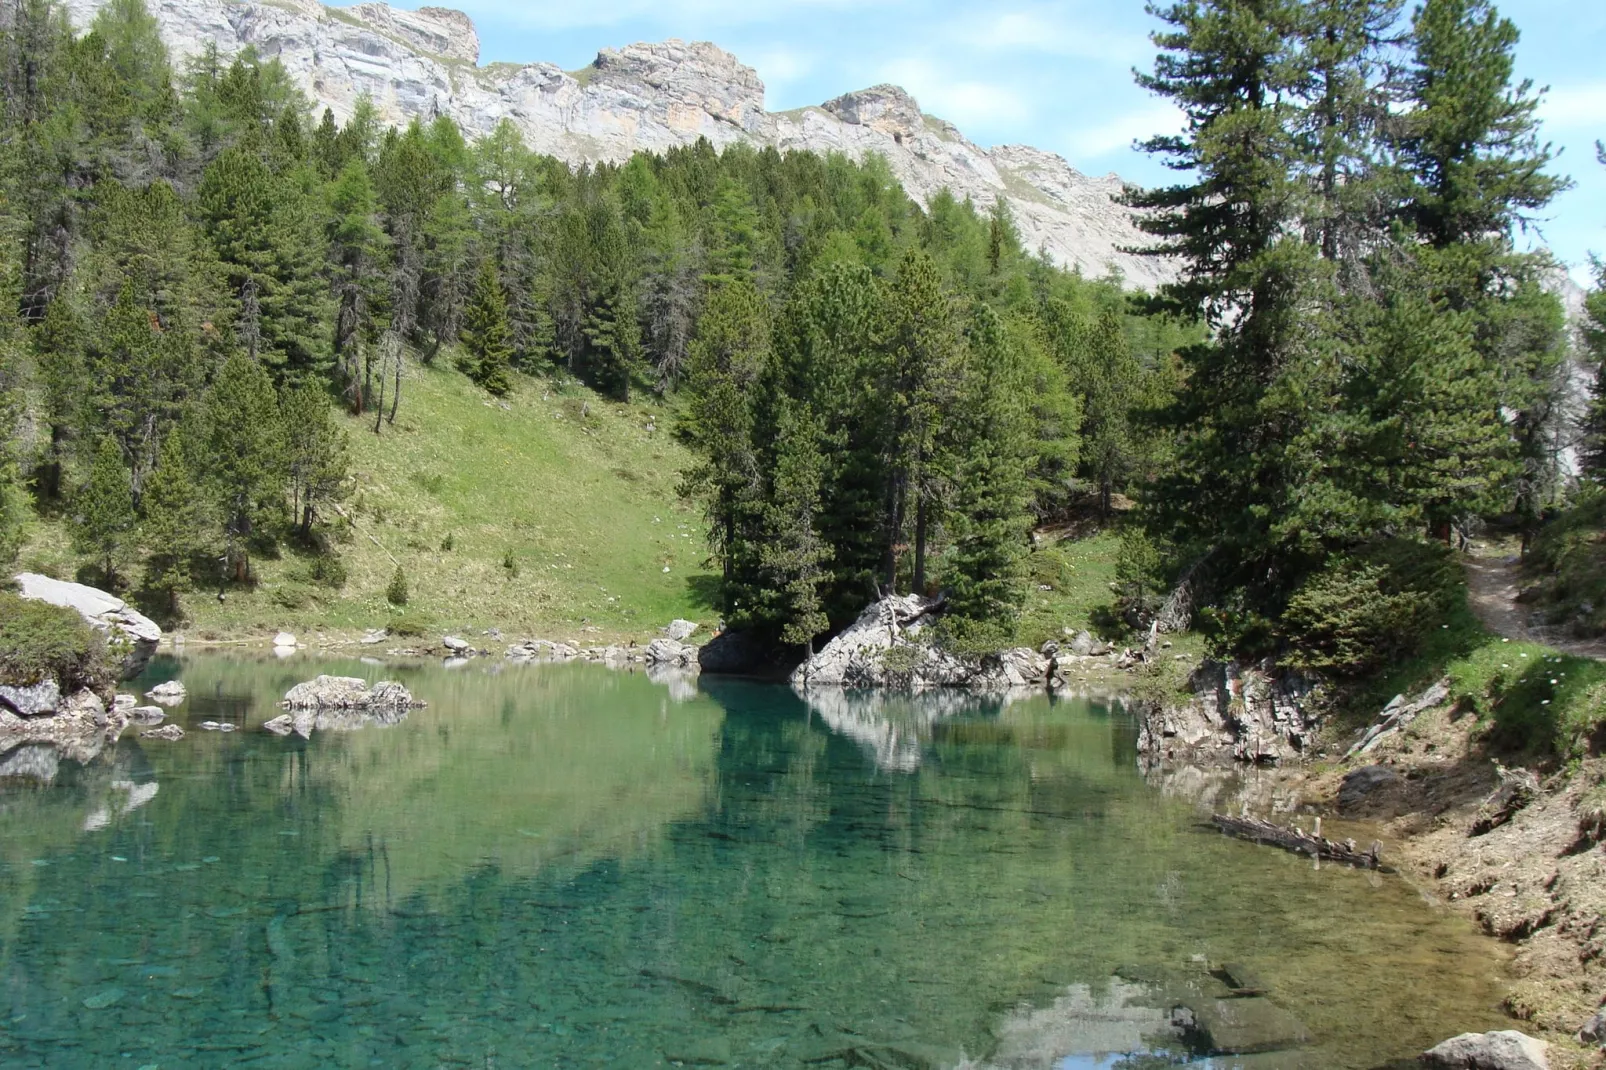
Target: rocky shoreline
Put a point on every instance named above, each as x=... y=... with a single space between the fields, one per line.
x=1520 y=852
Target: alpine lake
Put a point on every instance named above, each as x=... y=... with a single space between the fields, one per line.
x=571 y=866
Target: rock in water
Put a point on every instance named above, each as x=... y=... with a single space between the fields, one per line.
x=168 y=694
x=347 y=693
x=1506 y=1049
x=281 y=725
x=130 y=635
x=285 y=641
x=217 y=726
x=1247 y=1026
x=170 y=732
x=147 y=715
x=456 y=645
x=669 y=652
x=40 y=700
x=31 y=762
x=679 y=629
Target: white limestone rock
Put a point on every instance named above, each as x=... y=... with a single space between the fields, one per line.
x=130 y=634
x=1506 y=1049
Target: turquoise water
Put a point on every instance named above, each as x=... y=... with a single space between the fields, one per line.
x=564 y=866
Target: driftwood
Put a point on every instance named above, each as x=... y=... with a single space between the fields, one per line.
x=1299 y=841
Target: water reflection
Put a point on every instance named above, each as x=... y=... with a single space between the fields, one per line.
x=567 y=865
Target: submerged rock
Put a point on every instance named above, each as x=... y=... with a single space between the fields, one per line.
x=1247 y=1026
x=1505 y=1049
x=347 y=693
x=281 y=725
x=170 y=732
x=130 y=635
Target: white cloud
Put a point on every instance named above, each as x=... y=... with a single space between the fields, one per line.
x=967 y=103
x=1049 y=31
x=567 y=15
x=778 y=66
x=1576 y=107
x=1118 y=132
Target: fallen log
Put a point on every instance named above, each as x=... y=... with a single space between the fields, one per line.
x=1299 y=841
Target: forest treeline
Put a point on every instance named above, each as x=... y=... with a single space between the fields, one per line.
x=200 y=272
x=1357 y=364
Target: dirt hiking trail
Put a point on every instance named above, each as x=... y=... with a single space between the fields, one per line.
x=1493 y=584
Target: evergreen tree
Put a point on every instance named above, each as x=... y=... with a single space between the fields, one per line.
x=245 y=445
x=102 y=518
x=13 y=507
x=316 y=454
x=485 y=333
x=356 y=246
x=985 y=568
x=175 y=521
x=921 y=367
x=794 y=554
x=730 y=357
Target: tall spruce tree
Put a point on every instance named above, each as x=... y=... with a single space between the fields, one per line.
x=730 y=358
x=794 y=554
x=316 y=454
x=486 y=345
x=175 y=522
x=102 y=516
x=245 y=443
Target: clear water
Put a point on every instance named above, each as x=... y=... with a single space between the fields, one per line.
x=564 y=866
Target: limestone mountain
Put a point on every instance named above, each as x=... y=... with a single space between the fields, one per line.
x=650 y=97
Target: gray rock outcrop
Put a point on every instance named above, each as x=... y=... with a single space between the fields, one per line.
x=1258 y=714
x=348 y=693
x=1506 y=1049
x=417 y=64
x=670 y=652
x=40 y=700
x=680 y=630
x=130 y=635
x=80 y=727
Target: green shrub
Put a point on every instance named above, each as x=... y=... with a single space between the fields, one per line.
x=328 y=571
x=448 y=543
x=410 y=625
x=1366 y=610
x=510 y=563
x=1571 y=554
x=396 y=593
x=39 y=642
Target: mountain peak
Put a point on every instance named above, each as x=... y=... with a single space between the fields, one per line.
x=650 y=97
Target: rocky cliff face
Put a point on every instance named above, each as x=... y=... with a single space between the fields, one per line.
x=650 y=97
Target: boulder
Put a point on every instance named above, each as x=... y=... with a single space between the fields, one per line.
x=130 y=636
x=168 y=694
x=1360 y=784
x=456 y=645
x=40 y=700
x=669 y=652
x=285 y=641
x=542 y=650
x=1256 y=713
x=375 y=636
x=218 y=726
x=876 y=651
x=1506 y=1049
x=170 y=732
x=125 y=702
x=679 y=630
x=147 y=715
x=1594 y=1030
x=81 y=727
x=1081 y=644
x=281 y=725
x=731 y=653
x=347 y=693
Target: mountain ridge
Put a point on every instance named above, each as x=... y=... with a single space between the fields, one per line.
x=651 y=97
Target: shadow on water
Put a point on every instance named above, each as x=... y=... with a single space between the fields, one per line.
x=569 y=866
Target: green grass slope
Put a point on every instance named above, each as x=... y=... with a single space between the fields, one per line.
x=575 y=493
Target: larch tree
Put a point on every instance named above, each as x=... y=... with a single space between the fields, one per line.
x=102 y=516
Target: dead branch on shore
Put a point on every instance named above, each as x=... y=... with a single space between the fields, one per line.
x=1299 y=841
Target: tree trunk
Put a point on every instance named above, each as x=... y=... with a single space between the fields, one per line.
x=920 y=544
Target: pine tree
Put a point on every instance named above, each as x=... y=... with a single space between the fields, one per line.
x=13 y=509
x=175 y=521
x=984 y=570
x=316 y=454
x=102 y=517
x=485 y=333
x=245 y=445
x=794 y=554
x=730 y=357
x=356 y=246
x=921 y=369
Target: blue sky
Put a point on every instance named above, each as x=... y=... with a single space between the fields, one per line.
x=1052 y=74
